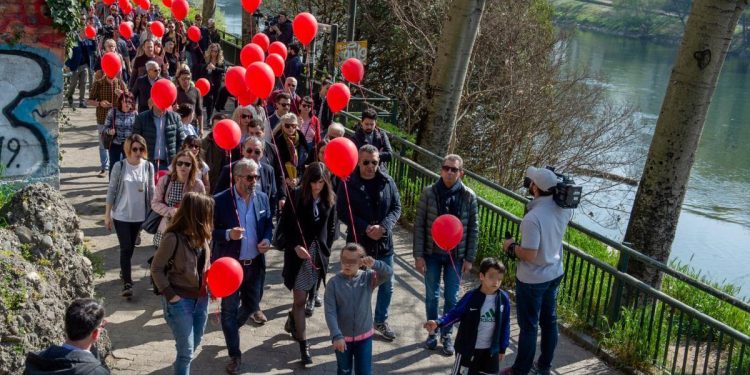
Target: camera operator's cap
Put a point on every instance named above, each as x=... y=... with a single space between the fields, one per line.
x=544 y=178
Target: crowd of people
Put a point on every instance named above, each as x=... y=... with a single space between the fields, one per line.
x=274 y=191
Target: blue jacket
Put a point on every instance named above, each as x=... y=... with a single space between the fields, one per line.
x=225 y=217
x=84 y=46
x=468 y=311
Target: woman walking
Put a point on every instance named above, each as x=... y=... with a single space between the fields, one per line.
x=292 y=148
x=131 y=188
x=172 y=187
x=311 y=208
x=310 y=126
x=179 y=272
x=193 y=143
x=119 y=123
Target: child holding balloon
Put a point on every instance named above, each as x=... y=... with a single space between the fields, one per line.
x=484 y=316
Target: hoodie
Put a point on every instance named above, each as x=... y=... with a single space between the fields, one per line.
x=59 y=360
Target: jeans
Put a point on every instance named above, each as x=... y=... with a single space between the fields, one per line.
x=437 y=263
x=127 y=232
x=385 y=292
x=233 y=314
x=536 y=306
x=78 y=78
x=115 y=154
x=103 y=152
x=357 y=357
x=187 y=319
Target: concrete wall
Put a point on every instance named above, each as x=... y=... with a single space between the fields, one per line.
x=31 y=59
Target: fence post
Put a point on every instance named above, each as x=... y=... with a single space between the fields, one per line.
x=616 y=300
x=394 y=112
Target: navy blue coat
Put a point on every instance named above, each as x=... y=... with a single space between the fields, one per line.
x=225 y=217
x=467 y=312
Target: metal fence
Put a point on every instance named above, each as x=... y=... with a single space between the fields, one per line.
x=650 y=330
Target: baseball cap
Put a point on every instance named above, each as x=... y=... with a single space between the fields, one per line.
x=544 y=178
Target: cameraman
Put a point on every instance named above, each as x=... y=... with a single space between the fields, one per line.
x=281 y=29
x=539 y=272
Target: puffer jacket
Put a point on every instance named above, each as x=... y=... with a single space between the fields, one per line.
x=427 y=212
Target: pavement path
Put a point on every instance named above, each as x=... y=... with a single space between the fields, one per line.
x=143 y=344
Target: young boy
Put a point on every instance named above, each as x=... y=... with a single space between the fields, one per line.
x=484 y=314
x=348 y=308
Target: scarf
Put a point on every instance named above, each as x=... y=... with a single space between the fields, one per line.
x=291 y=143
x=448 y=200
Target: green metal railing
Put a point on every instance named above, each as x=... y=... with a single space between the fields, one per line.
x=651 y=329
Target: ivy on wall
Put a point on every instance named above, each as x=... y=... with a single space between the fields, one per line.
x=66 y=17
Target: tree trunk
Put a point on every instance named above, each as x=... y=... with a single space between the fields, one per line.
x=444 y=89
x=209 y=8
x=247 y=28
x=658 y=202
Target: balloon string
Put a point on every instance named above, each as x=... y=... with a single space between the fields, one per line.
x=231 y=188
x=351 y=216
x=217 y=314
x=450 y=255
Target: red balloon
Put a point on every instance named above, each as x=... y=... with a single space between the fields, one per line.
x=305 y=27
x=341 y=157
x=125 y=6
x=224 y=277
x=250 y=5
x=157 y=28
x=447 y=231
x=259 y=79
x=180 y=9
x=353 y=70
x=159 y=175
x=338 y=97
x=276 y=63
x=144 y=4
x=90 y=31
x=227 y=134
x=251 y=53
x=278 y=48
x=235 y=80
x=203 y=86
x=247 y=98
x=125 y=30
x=261 y=40
x=163 y=93
x=194 y=33
x=167 y=3
x=111 y=64
x=109 y=2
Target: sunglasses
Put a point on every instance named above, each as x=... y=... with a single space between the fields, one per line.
x=305 y=105
x=290 y=126
x=284 y=104
x=195 y=147
x=448 y=168
x=251 y=150
x=185 y=164
x=245 y=116
x=138 y=149
x=250 y=177
x=368 y=162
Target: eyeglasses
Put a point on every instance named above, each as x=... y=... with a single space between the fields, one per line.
x=246 y=116
x=368 y=162
x=138 y=149
x=251 y=150
x=290 y=126
x=155 y=70
x=250 y=177
x=185 y=164
x=305 y=105
x=284 y=104
x=195 y=147
x=448 y=168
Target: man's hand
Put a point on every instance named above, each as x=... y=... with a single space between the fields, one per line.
x=368 y=262
x=111 y=131
x=507 y=243
x=466 y=268
x=105 y=104
x=339 y=345
x=302 y=252
x=281 y=203
x=108 y=222
x=420 y=265
x=501 y=357
x=375 y=232
x=264 y=246
x=236 y=233
x=118 y=92
x=430 y=326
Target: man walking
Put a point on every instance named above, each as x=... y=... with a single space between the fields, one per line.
x=368 y=133
x=539 y=272
x=375 y=206
x=163 y=133
x=102 y=95
x=78 y=64
x=446 y=196
x=243 y=231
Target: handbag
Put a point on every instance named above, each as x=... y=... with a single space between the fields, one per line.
x=153 y=219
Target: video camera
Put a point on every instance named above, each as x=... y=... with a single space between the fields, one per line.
x=566 y=194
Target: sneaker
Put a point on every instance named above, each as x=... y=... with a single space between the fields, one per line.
x=127 y=290
x=309 y=308
x=233 y=367
x=102 y=173
x=385 y=330
x=538 y=371
x=82 y=105
x=318 y=301
x=448 y=348
x=431 y=342
x=259 y=318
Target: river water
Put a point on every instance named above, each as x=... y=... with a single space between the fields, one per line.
x=713 y=233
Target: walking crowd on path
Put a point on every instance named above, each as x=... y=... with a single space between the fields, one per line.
x=274 y=192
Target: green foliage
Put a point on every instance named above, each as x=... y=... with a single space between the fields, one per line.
x=194 y=9
x=626 y=339
x=66 y=17
x=97 y=261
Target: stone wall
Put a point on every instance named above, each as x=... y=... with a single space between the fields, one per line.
x=32 y=53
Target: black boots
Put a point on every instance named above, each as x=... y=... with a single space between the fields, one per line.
x=290 y=327
x=304 y=352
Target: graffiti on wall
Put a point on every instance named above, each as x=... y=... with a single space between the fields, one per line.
x=30 y=97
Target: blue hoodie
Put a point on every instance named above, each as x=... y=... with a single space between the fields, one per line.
x=468 y=311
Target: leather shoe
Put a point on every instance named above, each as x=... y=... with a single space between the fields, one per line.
x=233 y=367
x=259 y=318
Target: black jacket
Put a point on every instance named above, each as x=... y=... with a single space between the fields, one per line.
x=145 y=126
x=384 y=211
x=302 y=153
x=58 y=360
x=141 y=91
x=288 y=235
x=379 y=140
x=267 y=181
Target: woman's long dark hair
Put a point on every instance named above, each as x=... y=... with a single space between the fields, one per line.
x=313 y=173
x=194 y=219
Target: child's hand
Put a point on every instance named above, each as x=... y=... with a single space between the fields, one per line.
x=368 y=262
x=339 y=345
x=501 y=357
x=430 y=326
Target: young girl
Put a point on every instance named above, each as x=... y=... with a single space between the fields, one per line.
x=193 y=143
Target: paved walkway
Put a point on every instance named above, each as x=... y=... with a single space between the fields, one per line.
x=143 y=344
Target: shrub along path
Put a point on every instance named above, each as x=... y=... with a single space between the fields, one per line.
x=143 y=344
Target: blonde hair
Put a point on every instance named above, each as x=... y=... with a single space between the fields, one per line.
x=289 y=118
x=219 y=57
x=193 y=168
x=135 y=138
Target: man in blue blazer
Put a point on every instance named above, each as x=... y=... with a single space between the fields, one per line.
x=243 y=231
